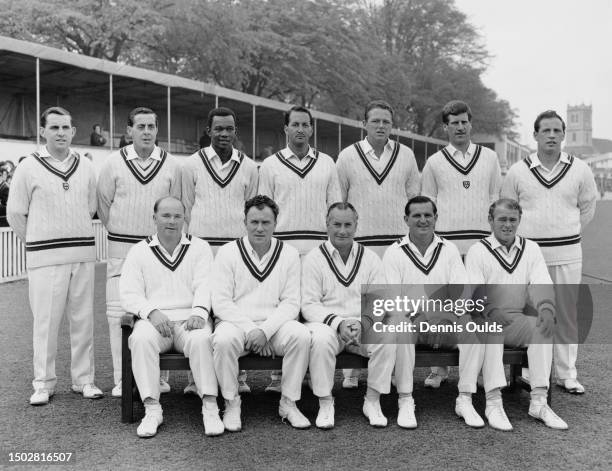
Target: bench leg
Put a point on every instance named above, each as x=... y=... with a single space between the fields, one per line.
x=515 y=371
x=127 y=381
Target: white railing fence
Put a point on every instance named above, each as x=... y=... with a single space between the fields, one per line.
x=13 y=254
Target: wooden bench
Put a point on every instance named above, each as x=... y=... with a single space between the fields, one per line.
x=425 y=357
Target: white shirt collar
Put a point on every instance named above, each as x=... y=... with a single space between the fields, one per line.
x=287 y=153
x=155 y=242
x=335 y=253
x=495 y=244
x=452 y=150
x=367 y=147
x=536 y=162
x=252 y=252
x=131 y=153
x=211 y=154
x=434 y=243
x=45 y=154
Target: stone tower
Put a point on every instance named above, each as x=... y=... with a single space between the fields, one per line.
x=579 y=131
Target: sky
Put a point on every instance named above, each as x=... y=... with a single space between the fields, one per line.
x=548 y=54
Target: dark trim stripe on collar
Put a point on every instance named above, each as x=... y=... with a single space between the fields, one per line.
x=509 y=267
x=63 y=175
x=557 y=241
x=463 y=235
x=171 y=265
x=222 y=182
x=415 y=259
x=257 y=274
x=301 y=235
x=136 y=170
x=301 y=172
x=549 y=183
x=217 y=241
x=66 y=242
x=125 y=238
x=378 y=177
x=346 y=281
x=459 y=167
x=378 y=240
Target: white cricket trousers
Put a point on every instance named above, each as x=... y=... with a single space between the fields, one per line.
x=522 y=332
x=566 y=331
x=146 y=343
x=56 y=290
x=291 y=341
x=114 y=311
x=326 y=345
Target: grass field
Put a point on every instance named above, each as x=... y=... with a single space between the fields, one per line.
x=93 y=430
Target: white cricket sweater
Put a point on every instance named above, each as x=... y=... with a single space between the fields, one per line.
x=303 y=190
x=555 y=206
x=175 y=283
x=379 y=189
x=462 y=192
x=252 y=293
x=488 y=262
x=331 y=289
x=127 y=193
x=50 y=209
x=214 y=194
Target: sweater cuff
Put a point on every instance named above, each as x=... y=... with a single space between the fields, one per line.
x=145 y=311
x=333 y=321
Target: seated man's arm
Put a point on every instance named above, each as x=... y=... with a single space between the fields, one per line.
x=223 y=292
x=289 y=298
x=201 y=288
x=313 y=309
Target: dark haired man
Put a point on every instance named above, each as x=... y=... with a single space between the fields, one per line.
x=50 y=206
x=463 y=179
x=256 y=299
x=558 y=193
x=130 y=181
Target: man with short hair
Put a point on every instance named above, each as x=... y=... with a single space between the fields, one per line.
x=304 y=183
x=334 y=277
x=558 y=193
x=130 y=181
x=256 y=299
x=50 y=206
x=165 y=281
x=417 y=260
x=96 y=138
x=217 y=180
x=516 y=267
x=463 y=179
x=377 y=176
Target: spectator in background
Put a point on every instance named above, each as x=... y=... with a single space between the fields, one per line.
x=125 y=141
x=4 y=191
x=96 y=138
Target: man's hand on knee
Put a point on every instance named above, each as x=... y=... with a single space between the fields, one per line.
x=546 y=322
x=161 y=322
x=255 y=341
x=195 y=322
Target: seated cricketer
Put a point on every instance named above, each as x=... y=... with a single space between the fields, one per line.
x=165 y=282
x=517 y=263
x=333 y=277
x=256 y=301
x=419 y=259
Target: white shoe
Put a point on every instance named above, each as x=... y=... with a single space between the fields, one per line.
x=191 y=388
x=572 y=386
x=151 y=421
x=243 y=387
x=89 y=391
x=325 y=417
x=41 y=397
x=164 y=387
x=372 y=411
x=212 y=422
x=289 y=410
x=350 y=382
x=231 y=415
x=465 y=409
x=117 y=390
x=274 y=386
x=405 y=414
x=496 y=415
x=544 y=413
x=434 y=380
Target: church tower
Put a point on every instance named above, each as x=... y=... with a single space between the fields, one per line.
x=579 y=131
